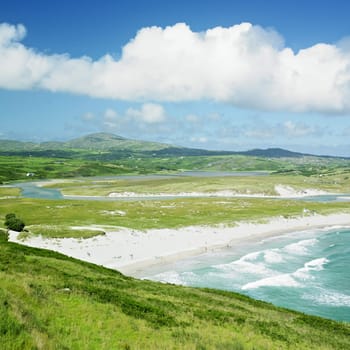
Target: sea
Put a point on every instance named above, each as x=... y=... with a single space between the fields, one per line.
x=306 y=271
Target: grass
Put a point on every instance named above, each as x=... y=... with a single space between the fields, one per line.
x=74 y=162
x=61 y=231
x=335 y=182
x=16 y=167
x=9 y=192
x=145 y=214
x=49 y=301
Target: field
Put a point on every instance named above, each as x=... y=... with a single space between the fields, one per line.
x=333 y=182
x=83 y=163
x=60 y=215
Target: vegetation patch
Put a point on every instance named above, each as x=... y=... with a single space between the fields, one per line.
x=61 y=231
x=152 y=214
x=50 y=301
x=12 y=222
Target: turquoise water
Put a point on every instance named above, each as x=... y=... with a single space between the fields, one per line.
x=307 y=271
x=31 y=190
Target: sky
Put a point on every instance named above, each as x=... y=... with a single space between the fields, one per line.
x=223 y=75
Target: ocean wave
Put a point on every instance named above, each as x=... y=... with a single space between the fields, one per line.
x=313 y=265
x=283 y=280
x=289 y=279
x=329 y=298
x=301 y=247
x=251 y=256
x=169 y=277
x=242 y=266
x=272 y=256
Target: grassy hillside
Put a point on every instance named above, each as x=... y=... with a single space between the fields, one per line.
x=93 y=163
x=108 y=154
x=49 y=301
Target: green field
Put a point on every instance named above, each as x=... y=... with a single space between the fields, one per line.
x=88 y=163
x=49 y=301
x=334 y=182
x=143 y=215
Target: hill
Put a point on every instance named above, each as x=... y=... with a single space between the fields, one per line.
x=49 y=301
x=107 y=154
x=109 y=146
x=108 y=142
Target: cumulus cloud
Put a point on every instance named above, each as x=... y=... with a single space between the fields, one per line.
x=110 y=114
x=199 y=139
x=88 y=116
x=244 y=65
x=287 y=129
x=298 y=129
x=150 y=113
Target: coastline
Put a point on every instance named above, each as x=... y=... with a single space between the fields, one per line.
x=130 y=251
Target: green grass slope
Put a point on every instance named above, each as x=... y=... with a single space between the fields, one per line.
x=49 y=301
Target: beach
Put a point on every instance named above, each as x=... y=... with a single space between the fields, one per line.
x=131 y=251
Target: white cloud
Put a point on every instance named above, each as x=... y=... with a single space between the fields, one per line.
x=110 y=114
x=243 y=65
x=298 y=129
x=111 y=119
x=150 y=113
x=261 y=132
x=88 y=116
x=288 y=129
x=199 y=139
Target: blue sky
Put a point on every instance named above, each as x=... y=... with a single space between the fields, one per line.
x=228 y=75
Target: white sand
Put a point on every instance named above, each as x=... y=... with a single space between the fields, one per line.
x=131 y=250
x=282 y=191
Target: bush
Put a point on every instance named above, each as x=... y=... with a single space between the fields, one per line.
x=13 y=223
x=9 y=216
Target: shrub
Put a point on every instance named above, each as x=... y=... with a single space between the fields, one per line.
x=13 y=223
x=9 y=216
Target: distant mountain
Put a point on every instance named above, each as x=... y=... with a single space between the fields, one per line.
x=274 y=153
x=106 y=146
x=108 y=142
x=92 y=142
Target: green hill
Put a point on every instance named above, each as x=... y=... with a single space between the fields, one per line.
x=92 y=142
x=49 y=301
x=106 y=146
x=107 y=142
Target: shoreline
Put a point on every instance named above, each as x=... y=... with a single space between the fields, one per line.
x=131 y=251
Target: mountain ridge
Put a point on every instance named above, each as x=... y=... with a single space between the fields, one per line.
x=111 y=143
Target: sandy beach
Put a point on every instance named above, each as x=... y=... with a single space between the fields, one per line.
x=130 y=250
x=282 y=191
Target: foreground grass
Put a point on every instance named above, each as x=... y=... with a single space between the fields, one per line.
x=49 y=301
x=335 y=182
x=144 y=215
x=61 y=231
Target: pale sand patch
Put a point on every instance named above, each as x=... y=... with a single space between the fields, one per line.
x=50 y=182
x=290 y=192
x=281 y=190
x=130 y=250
